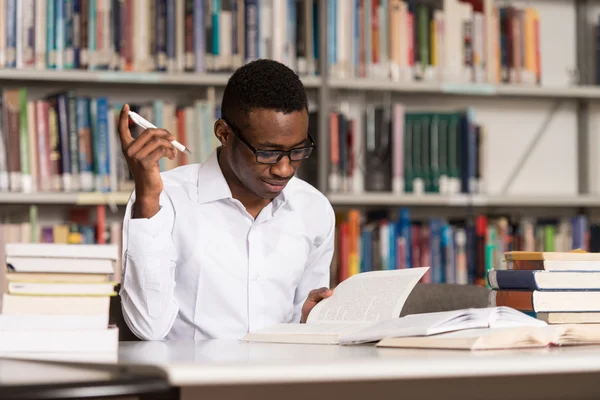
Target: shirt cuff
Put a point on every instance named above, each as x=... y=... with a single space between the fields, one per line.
x=148 y=235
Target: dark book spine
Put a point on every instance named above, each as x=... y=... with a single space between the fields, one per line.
x=189 y=36
x=160 y=42
x=252 y=29
x=73 y=138
x=505 y=279
x=84 y=33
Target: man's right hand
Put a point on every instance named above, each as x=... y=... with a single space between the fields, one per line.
x=142 y=155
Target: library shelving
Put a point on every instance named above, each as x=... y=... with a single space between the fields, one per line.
x=338 y=59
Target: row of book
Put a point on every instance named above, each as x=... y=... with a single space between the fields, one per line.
x=459 y=251
x=458 y=41
x=56 y=298
x=158 y=35
x=450 y=41
x=389 y=148
x=69 y=142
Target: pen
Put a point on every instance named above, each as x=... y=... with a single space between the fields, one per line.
x=139 y=120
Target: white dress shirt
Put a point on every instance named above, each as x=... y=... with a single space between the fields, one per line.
x=202 y=267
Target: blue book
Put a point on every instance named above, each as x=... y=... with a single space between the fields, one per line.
x=86 y=166
x=544 y=280
x=101 y=145
x=11 y=33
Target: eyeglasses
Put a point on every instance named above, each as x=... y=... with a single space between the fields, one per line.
x=273 y=156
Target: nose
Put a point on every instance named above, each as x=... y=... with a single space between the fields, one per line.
x=283 y=168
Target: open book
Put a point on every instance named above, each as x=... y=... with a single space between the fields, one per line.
x=366 y=308
x=502 y=338
x=356 y=302
x=440 y=322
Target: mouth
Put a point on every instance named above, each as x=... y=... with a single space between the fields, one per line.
x=275 y=186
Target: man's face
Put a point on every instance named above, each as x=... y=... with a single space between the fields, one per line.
x=268 y=130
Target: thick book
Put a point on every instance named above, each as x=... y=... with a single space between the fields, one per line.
x=61 y=258
x=569 y=317
x=59 y=341
x=544 y=280
x=358 y=301
x=502 y=338
x=547 y=301
x=576 y=260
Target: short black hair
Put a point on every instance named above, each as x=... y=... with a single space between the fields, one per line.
x=262 y=84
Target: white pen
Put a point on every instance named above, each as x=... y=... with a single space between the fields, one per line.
x=142 y=122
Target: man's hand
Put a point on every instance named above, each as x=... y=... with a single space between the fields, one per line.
x=142 y=155
x=313 y=298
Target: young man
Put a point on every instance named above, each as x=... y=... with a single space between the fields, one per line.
x=234 y=244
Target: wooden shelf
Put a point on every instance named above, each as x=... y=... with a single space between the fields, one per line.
x=85 y=77
x=127 y=78
x=433 y=200
x=336 y=199
x=574 y=92
x=87 y=198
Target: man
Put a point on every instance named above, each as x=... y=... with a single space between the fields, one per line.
x=234 y=244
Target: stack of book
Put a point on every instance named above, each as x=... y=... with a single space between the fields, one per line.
x=56 y=298
x=557 y=287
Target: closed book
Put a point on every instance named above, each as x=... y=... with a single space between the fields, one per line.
x=54 y=341
x=552 y=261
x=55 y=305
x=61 y=288
x=544 y=280
x=546 y=301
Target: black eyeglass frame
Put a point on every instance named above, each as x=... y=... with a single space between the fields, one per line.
x=282 y=153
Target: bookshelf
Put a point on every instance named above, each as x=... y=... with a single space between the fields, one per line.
x=568 y=148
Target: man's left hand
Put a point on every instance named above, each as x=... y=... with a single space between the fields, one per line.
x=313 y=298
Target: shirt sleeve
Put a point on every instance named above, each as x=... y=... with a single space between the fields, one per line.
x=148 y=277
x=318 y=268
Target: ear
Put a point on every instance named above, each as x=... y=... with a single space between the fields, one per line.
x=222 y=133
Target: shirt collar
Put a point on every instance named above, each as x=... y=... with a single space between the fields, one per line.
x=212 y=185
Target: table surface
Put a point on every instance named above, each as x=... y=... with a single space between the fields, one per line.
x=233 y=362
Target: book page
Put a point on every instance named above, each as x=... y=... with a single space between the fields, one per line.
x=369 y=296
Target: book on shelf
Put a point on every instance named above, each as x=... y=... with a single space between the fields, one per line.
x=170 y=36
x=388 y=148
x=56 y=298
x=452 y=41
x=458 y=250
x=366 y=308
x=559 y=287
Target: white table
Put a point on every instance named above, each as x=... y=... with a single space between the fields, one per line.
x=232 y=369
